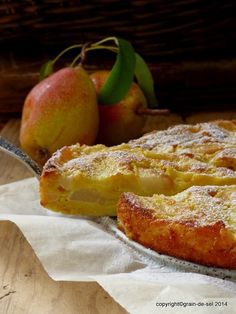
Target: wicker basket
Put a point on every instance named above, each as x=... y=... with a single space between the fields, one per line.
x=189 y=44
x=159 y=29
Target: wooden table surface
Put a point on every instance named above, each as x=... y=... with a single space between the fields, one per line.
x=25 y=287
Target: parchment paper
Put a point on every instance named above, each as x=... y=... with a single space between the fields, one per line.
x=77 y=248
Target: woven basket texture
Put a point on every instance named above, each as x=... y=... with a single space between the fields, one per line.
x=157 y=28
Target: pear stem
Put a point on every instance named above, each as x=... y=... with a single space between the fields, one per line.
x=64 y=51
x=75 y=60
x=110 y=48
x=92 y=47
x=82 y=54
x=105 y=40
x=152 y=112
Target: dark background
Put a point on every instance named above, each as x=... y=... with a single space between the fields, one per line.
x=188 y=44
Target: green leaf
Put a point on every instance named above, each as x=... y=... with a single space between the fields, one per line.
x=121 y=76
x=46 y=70
x=145 y=81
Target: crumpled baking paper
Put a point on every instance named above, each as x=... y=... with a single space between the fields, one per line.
x=79 y=249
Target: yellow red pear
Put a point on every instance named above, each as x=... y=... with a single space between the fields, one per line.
x=60 y=110
x=122 y=121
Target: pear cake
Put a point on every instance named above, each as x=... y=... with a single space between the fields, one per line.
x=175 y=189
x=198 y=224
x=88 y=180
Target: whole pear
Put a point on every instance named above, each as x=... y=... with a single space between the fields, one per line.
x=122 y=121
x=60 y=110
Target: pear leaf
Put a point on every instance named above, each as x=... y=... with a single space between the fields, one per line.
x=46 y=70
x=121 y=76
x=145 y=81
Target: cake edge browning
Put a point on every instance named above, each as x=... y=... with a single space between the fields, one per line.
x=49 y=188
x=209 y=245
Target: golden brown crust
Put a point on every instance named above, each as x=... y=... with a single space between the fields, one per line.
x=197 y=225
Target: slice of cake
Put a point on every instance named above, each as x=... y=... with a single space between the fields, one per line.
x=198 y=224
